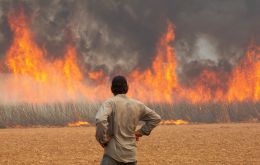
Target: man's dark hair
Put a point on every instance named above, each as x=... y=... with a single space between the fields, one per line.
x=119 y=85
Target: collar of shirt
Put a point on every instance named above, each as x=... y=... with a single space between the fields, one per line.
x=121 y=95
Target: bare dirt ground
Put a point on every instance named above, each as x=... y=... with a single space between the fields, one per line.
x=168 y=144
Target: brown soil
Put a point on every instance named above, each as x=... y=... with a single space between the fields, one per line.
x=168 y=144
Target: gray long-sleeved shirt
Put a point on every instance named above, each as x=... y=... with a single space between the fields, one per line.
x=116 y=122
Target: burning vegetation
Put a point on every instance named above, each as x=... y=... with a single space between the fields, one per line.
x=33 y=78
x=78 y=124
x=174 y=122
x=31 y=83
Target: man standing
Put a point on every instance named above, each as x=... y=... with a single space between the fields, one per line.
x=116 y=123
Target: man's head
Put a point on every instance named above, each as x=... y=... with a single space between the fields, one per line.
x=119 y=85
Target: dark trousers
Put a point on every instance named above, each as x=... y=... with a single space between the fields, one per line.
x=107 y=160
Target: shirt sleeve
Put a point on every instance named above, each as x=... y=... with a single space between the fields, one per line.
x=102 y=134
x=151 y=119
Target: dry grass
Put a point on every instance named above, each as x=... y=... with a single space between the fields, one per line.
x=168 y=144
x=60 y=114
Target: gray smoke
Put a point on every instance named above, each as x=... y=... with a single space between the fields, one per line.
x=118 y=36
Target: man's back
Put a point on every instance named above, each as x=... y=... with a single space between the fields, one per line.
x=124 y=115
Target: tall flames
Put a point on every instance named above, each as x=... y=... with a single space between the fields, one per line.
x=158 y=83
x=245 y=81
x=36 y=79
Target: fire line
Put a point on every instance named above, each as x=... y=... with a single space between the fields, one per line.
x=35 y=79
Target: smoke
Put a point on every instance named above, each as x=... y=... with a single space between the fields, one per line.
x=118 y=36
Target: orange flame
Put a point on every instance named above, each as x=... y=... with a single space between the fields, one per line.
x=245 y=82
x=38 y=80
x=157 y=84
x=78 y=124
x=174 y=122
x=96 y=75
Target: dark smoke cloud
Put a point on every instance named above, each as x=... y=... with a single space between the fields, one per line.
x=118 y=36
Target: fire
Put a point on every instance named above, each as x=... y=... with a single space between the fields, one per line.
x=174 y=122
x=36 y=79
x=208 y=87
x=78 y=124
x=39 y=80
x=245 y=82
x=96 y=75
x=158 y=83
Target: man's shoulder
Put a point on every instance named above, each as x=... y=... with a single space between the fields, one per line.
x=109 y=100
x=136 y=101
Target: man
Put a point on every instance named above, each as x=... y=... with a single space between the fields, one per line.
x=116 y=122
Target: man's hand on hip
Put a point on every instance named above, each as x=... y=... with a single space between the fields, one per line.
x=137 y=135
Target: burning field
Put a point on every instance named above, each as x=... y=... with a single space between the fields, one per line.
x=194 y=63
x=32 y=78
x=47 y=85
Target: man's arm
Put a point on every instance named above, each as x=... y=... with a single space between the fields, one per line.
x=102 y=124
x=151 y=119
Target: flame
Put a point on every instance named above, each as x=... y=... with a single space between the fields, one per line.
x=207 y=88
x=36 y=79
x=96 y=75
x=158 y=83
x=78 y=124
x=245 y=82
x=174 y=122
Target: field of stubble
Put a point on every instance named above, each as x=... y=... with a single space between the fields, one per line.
x=168 y=144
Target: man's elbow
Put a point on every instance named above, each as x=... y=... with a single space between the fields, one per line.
x=99 y=120
x=158 y=119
